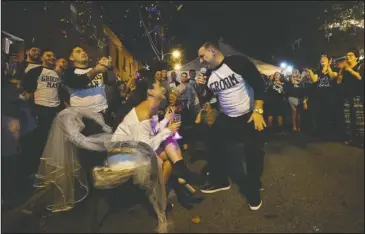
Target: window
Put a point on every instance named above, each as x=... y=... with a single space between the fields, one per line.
x=117 y=58
x=130 y=69
x=124 y=64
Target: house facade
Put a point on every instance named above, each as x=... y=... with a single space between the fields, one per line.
x=124 y=63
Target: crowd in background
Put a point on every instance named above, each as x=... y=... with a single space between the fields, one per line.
x=326 y=101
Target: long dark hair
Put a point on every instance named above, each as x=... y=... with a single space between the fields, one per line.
x=144 y=81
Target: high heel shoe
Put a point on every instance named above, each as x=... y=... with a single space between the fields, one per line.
x=186 y=194
x=190 y=177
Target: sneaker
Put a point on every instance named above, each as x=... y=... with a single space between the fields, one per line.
x=254 y=200
x=212 y=188
x=255 y=207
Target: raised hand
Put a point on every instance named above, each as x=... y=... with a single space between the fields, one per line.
x=107 y=62
x=170 y=114
x=174 y=127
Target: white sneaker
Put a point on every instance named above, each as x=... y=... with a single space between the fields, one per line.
x=254 y=208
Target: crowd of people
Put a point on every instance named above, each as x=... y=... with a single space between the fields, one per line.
x=324 y=102
x=231 y=101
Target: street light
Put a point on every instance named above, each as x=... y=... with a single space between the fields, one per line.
x=175 y=54
x=177 y=67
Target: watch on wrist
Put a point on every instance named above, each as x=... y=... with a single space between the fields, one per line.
x=259 y=110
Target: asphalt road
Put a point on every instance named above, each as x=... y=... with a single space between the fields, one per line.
x=309 y=186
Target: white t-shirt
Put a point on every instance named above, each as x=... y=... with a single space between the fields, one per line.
x=142 y=130
x=44 y=83
x=93 y=96
x=236 y=82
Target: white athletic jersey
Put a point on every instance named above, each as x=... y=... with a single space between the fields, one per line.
x=235 y=81
x=44 y=83
x=92 y=96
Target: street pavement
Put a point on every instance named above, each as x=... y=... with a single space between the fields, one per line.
x=310 y=186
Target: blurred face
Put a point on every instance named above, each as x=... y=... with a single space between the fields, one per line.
x=164 y=74
x=207 y=57
x=158 y=91
x=351 y=57
x=34 y=53
x=277 y=76
x=158 y=75
x=192 y=74
x=62 y=64
x=49 y=59
x=184 y=78
x=324 y=60
x=79 y=56
x=173 y=76
x=206 y=107
x=341 y=64
x=295 y=73
x=172 y=98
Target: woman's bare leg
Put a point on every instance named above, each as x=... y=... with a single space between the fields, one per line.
x=280 y=123
x=294 y=118
x=166 y=167
x=174 y=154
x=172 y=150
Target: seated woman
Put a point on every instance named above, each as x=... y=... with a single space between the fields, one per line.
x=141 y=124
x=175 y=108
x=206 y=119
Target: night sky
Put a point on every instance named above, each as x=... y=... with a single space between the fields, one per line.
x=261 y=29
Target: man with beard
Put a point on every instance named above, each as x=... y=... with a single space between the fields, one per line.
x=173 y=83
x=240 y=91
x=42 y=84
x=187 y=93
x=86 y=84
x=165 y=81
x=61 y=66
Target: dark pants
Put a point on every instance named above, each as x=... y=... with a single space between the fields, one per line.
x=224 y=164
x=354 y=118
x=324 y=114
x=38 y=138
x=89 y=159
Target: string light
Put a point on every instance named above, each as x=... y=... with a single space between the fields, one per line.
x=347 y=24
